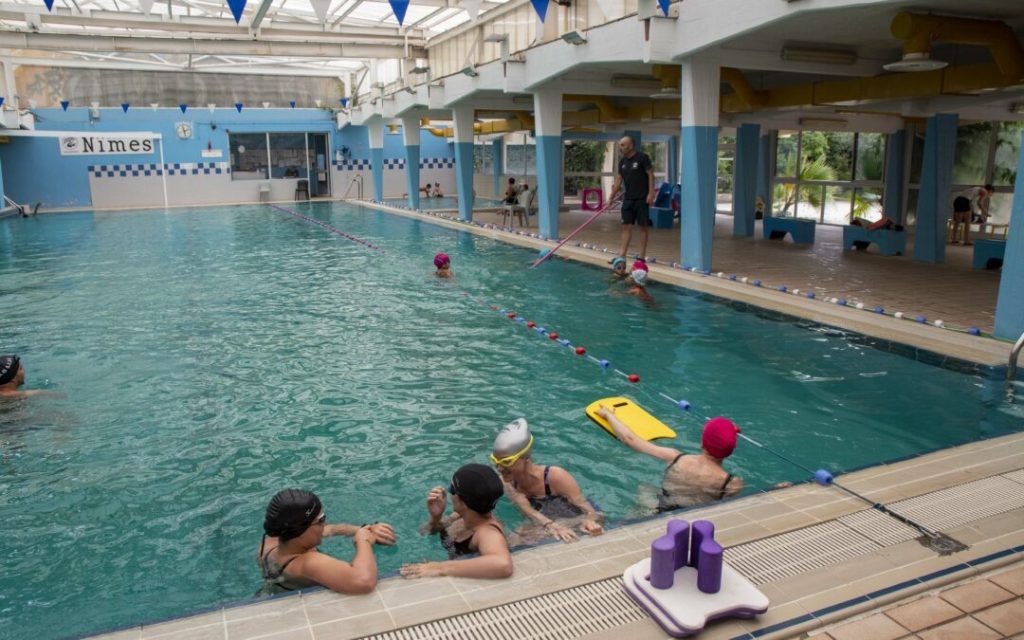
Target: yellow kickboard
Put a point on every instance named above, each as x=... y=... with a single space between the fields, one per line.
x=633 y=416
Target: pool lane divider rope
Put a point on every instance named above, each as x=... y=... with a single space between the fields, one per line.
x=810 y=295
x=333 y=230
x=938 y=542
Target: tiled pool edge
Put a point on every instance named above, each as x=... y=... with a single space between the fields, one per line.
x=938 y=344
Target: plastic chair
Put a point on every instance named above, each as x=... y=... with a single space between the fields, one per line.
x=517 y=209
x=302 y=187
x=264 y=191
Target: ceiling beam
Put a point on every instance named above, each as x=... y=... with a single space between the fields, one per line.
x=261 y=13
x=137 y=66
x=214 y=46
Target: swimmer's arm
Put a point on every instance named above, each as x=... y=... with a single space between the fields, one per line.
x=563 y=484
x=385 y=534
x=635 y=442
x=494 y=560
x=337 y=575
x=520 y=501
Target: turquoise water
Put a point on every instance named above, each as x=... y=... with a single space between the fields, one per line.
x=210 y=357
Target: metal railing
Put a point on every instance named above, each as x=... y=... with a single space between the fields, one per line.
x=357 y=181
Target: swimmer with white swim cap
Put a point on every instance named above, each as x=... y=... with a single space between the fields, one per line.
x=547 y=495
x=638 y=278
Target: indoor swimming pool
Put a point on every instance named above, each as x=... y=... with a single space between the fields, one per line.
x=208 y=357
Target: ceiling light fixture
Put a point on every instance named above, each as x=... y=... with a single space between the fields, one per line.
x=920 y=61
x=824 y=56
x=470 y=71
x=574 y=37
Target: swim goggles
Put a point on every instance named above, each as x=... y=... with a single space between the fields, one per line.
x=508 y=461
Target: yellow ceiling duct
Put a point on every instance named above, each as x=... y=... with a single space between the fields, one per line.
x=919 y=31
x=610 y=114
x=742 y=89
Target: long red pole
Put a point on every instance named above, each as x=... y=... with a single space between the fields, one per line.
x=574 y=232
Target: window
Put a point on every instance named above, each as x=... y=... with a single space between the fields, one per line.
x=249 y=159
x=829 y=176
x=972 y=145
x=483 y=158
x=521 y=156
x=288 y=155
x=583 y=164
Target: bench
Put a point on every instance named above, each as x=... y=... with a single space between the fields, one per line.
x=890 y=242
x=777 y=228
x=988 y=254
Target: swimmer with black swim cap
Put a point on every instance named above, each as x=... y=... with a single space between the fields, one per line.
x=12 y=376
x=472 y=528
x=545 y=494
x=294 y=525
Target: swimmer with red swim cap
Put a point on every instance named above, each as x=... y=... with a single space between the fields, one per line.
x=444 y=266
x=690 y=478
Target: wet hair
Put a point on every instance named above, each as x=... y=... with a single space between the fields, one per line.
x=990 y=188
x=290 y=513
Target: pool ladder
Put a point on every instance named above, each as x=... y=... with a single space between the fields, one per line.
x=358 y=182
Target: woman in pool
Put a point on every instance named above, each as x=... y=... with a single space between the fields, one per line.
x=294 y=525
x=548 y=495
x=472 y=528
x=444 y=266
x=619 y=267
x=690 y=479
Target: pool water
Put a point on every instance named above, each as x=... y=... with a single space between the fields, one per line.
x=209 y=357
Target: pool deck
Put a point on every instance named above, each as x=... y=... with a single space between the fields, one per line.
x=953 y=292
x=868 y=577
x=809 y=590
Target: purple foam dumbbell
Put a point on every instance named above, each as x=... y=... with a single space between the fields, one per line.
x=663 y=560
x=702 y=530
x=709 y=571
x=679 y=530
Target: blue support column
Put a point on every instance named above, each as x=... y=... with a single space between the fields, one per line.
x=933 y=204
x=892 y=193
x=764 y=171
x=744 y=180
x=547 y=109
x=376 y=128
x=699 y=115
x=1010 y=303
x=463 y=117
x=411 y=138
x=498 y=151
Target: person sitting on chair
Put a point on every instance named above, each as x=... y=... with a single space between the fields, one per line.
x=512 y=192
x=437 y=193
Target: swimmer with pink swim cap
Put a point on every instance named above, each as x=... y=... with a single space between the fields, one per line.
x=444 y=265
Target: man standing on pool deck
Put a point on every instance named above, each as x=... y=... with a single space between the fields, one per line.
x=636 y=170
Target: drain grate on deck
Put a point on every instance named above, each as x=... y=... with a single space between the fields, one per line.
x=1016 y=476
x=964 y=503
x=796 y=552
x=875 y=525
x=563 y=615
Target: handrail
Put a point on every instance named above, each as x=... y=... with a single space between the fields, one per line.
x=358 y=181
x=1011 y=368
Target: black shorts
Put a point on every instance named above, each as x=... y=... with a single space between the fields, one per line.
x=636 y=212
x=961 y=205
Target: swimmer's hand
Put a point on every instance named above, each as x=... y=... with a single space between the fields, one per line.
x=559 y=532
x=383 y=533
x=422 y=570
x=591 y=528
x=782 y=485
x=437 y=502
x=605 y=411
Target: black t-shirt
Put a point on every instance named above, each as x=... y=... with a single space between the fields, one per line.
x=634 y=176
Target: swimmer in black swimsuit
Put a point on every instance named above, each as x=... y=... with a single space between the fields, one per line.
x=690 y=479
x=295 y=524
x=472 y=528
x=547 y=495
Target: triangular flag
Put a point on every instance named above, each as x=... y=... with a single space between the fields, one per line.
x=399 y=7
x=291 y=103
x=320 y=7
x=472 y=8
x=237 y=7
x=124 y=107
x=239 y=105
x=146 y=5
x=1 y=101
x=541 y=7
x=64 y=104
x=344 y=102
x=183 y=106
x=49 y=5
x=664 y=6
